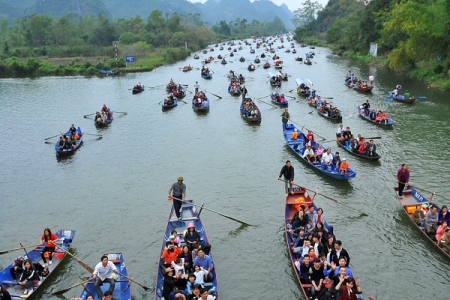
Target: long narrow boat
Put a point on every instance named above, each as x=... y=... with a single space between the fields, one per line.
x=358 y=88
x=293 y=203
x=303 y=86
x=108 y=72
x=401 y=98
x=137 y=89
x=276 y=82
x=179 y=92
x=189 y=214
x=207 y=75
x=100 y=123
x=386 y=123
x=170 y=106
x=234 y=88
x=65 y=237
x=285 y=103
x=412 y=198
x=70 y=151
x=325 y=114
x=298 y=147
x=246 y=111
x=349 y=150
x=204 y=107
x=122 y=289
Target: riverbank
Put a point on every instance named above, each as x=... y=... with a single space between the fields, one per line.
x=425 y=71
x=14 y=67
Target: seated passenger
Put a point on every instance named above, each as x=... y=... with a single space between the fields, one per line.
x=62 y=143
x=444 y=242
x=104 y=108
x=27 y=278
x=444 y=214
x=309 y=154
x=343 y=168
x=319 y=153
x=327 y=158
x=418 y=216
x=294 y=134
x=204 y=261
x=310 y=136
x=441 y=229
x=336 y=161
x=373 y=114
x=371 y=149
x=191 y=237
x=72 y=129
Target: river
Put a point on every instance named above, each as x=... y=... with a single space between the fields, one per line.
x=113 y=191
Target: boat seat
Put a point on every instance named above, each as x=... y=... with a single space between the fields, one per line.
x=306 y=286
x=207 y=284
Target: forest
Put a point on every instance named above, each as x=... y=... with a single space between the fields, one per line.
x=39 y=44
x=412 y=36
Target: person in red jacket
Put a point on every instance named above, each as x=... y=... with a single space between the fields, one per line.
x=50 y=243
x=170 y=254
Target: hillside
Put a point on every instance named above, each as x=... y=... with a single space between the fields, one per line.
x=211 y=12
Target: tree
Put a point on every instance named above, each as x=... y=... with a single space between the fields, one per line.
x=306 y=15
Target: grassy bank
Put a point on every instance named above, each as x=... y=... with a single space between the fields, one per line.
x=146 y=60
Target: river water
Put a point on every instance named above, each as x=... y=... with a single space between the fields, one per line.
x=113 y=191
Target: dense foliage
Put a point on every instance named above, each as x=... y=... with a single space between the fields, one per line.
x=412 y=35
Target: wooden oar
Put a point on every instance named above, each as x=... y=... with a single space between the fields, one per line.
x=327 y=97
x=121 y=112
x=52 y=137
x=421 y=97
x=351 y=114
x=431 y=192
x=312 y=111
x=22 y=247
x=329 y=198
x=79 y=261
x=303 y=126
x=182 y=101
x=131 y=279
x=388 y=99
x=85 y=116
x=214 y=94
x=223 y=215
x=291 y=90
x=290 y=97
x=60 y=292
x=99 y=135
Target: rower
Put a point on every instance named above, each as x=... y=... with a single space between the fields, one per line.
x=366 y=107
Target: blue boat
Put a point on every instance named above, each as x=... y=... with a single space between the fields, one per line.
x=170 y=106
x=285 y=103
x=71 y=150
x=65 y=237
x=401 y=98
x=122 y=289
x=298 y=147
x=189 y=214
x=200 y=107
x=384 y=123
x=309 y=55
x=108 y=72
x=207 y=75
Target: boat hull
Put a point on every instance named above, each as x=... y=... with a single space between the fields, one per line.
x=67 y=152
x=388 y=123
x=373 y=158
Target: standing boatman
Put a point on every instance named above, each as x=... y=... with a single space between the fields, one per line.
x=177 y=190
x=196 y=86
x=285 y=118
x=287 y=171
x=371 y=79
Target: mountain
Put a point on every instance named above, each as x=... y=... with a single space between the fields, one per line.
x=211 y=12
x=229 y=10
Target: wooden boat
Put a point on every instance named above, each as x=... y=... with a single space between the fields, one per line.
x=278 y=64
x=204 y=107
x=242 y=59
x=257 y=61
x=252 y=51
x=387 y=123
x=219 y=56
x=196 y=56
x=205 y=51
x=309 y=55
x=325 y=115
x=189 y=214
x=349 y=150
x=170 y=106
x=244 y=113
x=234 y=88
x=170 y=86
x=293 y=203
x=302 y=84
x=221 y=48
x=298 y=58
x=412 y=198
x=187 y=68
x=251 y=67
x=179 y=93
x=298 y=147
x=401 y=98
x=312 y=47
x=358 y=88
x=263 y=55
x=231 y=54
x=122 y=288
x=223 y=62
x=288 y=51
x=67 y=152
x=293 y=50
x=283 y=76
x=108 y=72
x=278 y=103
x=100 y=123
x=137 y=89
x=65 y=237
x=206 y=75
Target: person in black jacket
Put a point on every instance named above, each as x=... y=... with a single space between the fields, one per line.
x=4 y=294
x=339 y=252
x=288 y=172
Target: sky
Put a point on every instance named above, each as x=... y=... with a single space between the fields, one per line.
x=291 y=4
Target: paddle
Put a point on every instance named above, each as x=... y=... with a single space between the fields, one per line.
x=421 y=97
x=52 y=137
x=290 y=97
x=182 y=101
x=214 y=94
x=131 y=279
x=85 y=116
x=60 y=292
x=121 y=112
x=303 y=126
x=10 y=250
x=349 y=116
x=388 y=99
x=99 y=135
x=329 y=198
x=291 y=90
x=311 y=111
x=79 y=261
x=223 y=215
x=428 y=191
x=327 y=97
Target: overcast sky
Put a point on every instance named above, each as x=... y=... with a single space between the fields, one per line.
x=292 y=4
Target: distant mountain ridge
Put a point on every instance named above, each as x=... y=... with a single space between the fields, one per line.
x=210 y=12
